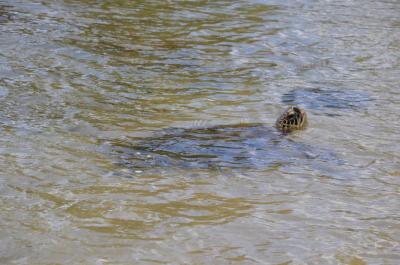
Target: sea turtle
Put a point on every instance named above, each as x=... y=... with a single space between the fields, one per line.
x=294 y=118
x=254 y=146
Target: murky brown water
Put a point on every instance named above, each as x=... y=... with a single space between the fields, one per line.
x=77 y=77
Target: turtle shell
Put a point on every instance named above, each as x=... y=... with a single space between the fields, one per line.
x=244 y=146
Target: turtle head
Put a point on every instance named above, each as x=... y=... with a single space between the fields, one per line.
x=294 y=118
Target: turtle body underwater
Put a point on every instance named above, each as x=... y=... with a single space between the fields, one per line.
x=240 y=146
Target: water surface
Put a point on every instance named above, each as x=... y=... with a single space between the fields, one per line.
x=78 y=75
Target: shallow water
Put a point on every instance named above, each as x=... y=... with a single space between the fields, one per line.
x=76 y=76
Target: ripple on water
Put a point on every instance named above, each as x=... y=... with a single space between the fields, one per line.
x=73 y=73
x=5 y=15
x=325 y=99
x=3 y=92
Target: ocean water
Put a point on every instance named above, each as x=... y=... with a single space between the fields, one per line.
x=108 y=156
